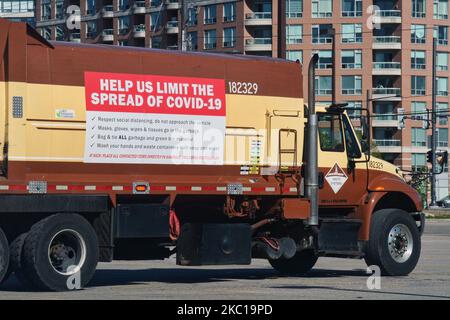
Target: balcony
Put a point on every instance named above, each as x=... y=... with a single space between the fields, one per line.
x=172 y=27
x=384 y=120
x=387 y=42
x=139 y=7
x=387 y=68
x=139 y=31
x=322 y=40
x=353 y=13
x=75 y=37
x=108 y=35
x=258 y=18
x=172 y=5
x=388 y=145
x=388 y=16
x=258 y=44
x=108 y=11
x=386 y=94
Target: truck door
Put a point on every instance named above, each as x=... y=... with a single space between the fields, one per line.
x=344 y=180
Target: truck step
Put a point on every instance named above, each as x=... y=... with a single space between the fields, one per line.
x=339 y=235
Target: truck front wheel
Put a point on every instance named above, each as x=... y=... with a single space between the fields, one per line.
x=301 y=263
x=4 y=256
x=60 y=253
x=394 y=243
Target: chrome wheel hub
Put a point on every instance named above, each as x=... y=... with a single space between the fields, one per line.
x=400 y=243
x=67 y=252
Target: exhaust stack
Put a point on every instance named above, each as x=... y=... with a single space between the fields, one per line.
x=312 y=176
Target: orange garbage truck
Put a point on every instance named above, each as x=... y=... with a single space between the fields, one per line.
x=138 y=154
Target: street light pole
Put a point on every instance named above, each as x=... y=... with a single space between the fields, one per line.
x=433 y=129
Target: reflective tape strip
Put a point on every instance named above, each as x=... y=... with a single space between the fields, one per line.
x=293 y=189
x=196 y=188
x=221 y=189
x=246 y=189
x=62 y=188
x=90 y=188
x=171 y=188
x=4 y=187
x=117 y=188
x=270 y=189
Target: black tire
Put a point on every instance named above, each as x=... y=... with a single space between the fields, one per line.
x=299 y=264
x=4 y=257
x=378 y=250
x=51 y=232
x=15 y=261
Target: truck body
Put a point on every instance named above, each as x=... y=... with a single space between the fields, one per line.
x=139 y=151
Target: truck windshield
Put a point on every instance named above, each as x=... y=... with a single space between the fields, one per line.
x=351 y=144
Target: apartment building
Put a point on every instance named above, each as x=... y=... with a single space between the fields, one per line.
x=17 y=10
x=384 y=52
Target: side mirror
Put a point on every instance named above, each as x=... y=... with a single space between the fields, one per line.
x=365 y=128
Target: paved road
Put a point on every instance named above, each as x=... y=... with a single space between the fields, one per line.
x=331 y=279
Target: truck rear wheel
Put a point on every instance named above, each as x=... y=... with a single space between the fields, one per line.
x=301 y=263
x=15 y=261
x=394 y=243
x=60 y=252
x=4 y=256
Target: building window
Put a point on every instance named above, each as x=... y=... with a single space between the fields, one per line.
x=322 y=8
x=419 y=8
x=46 y=10
x=59 y=9
x=155 y=22
x=384 y=110
x=124 y=25
x=156 y=42
x=442 y=86
x=351 y=85
x=210 y=39
x=418 y=33
x=440 y=9
x=419 y=110
x=325 y=59
x=441 y=34
x=442 y=61
x=351 y=109
x=351 y=59
x=294 y=8
x=418 y=137
x=351 y=8
x=16 y=6
x=124 y=5
x=320 y=33
x=192 y=44
x=418 y=59
x=229 y=12
x=59 y=33
x=210 y=14
x=442 y=139
x=294 y=34
x=442 y=113
x=192 y=17
x=90 y=7
x=46 y=32
x=418 y=85
x=352 y=33
x=229 y=37
x=91 y=29
x=295 y=55
x=323 y=85
x=418 y=161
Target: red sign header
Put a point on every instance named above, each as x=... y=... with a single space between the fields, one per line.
x=134 y=93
